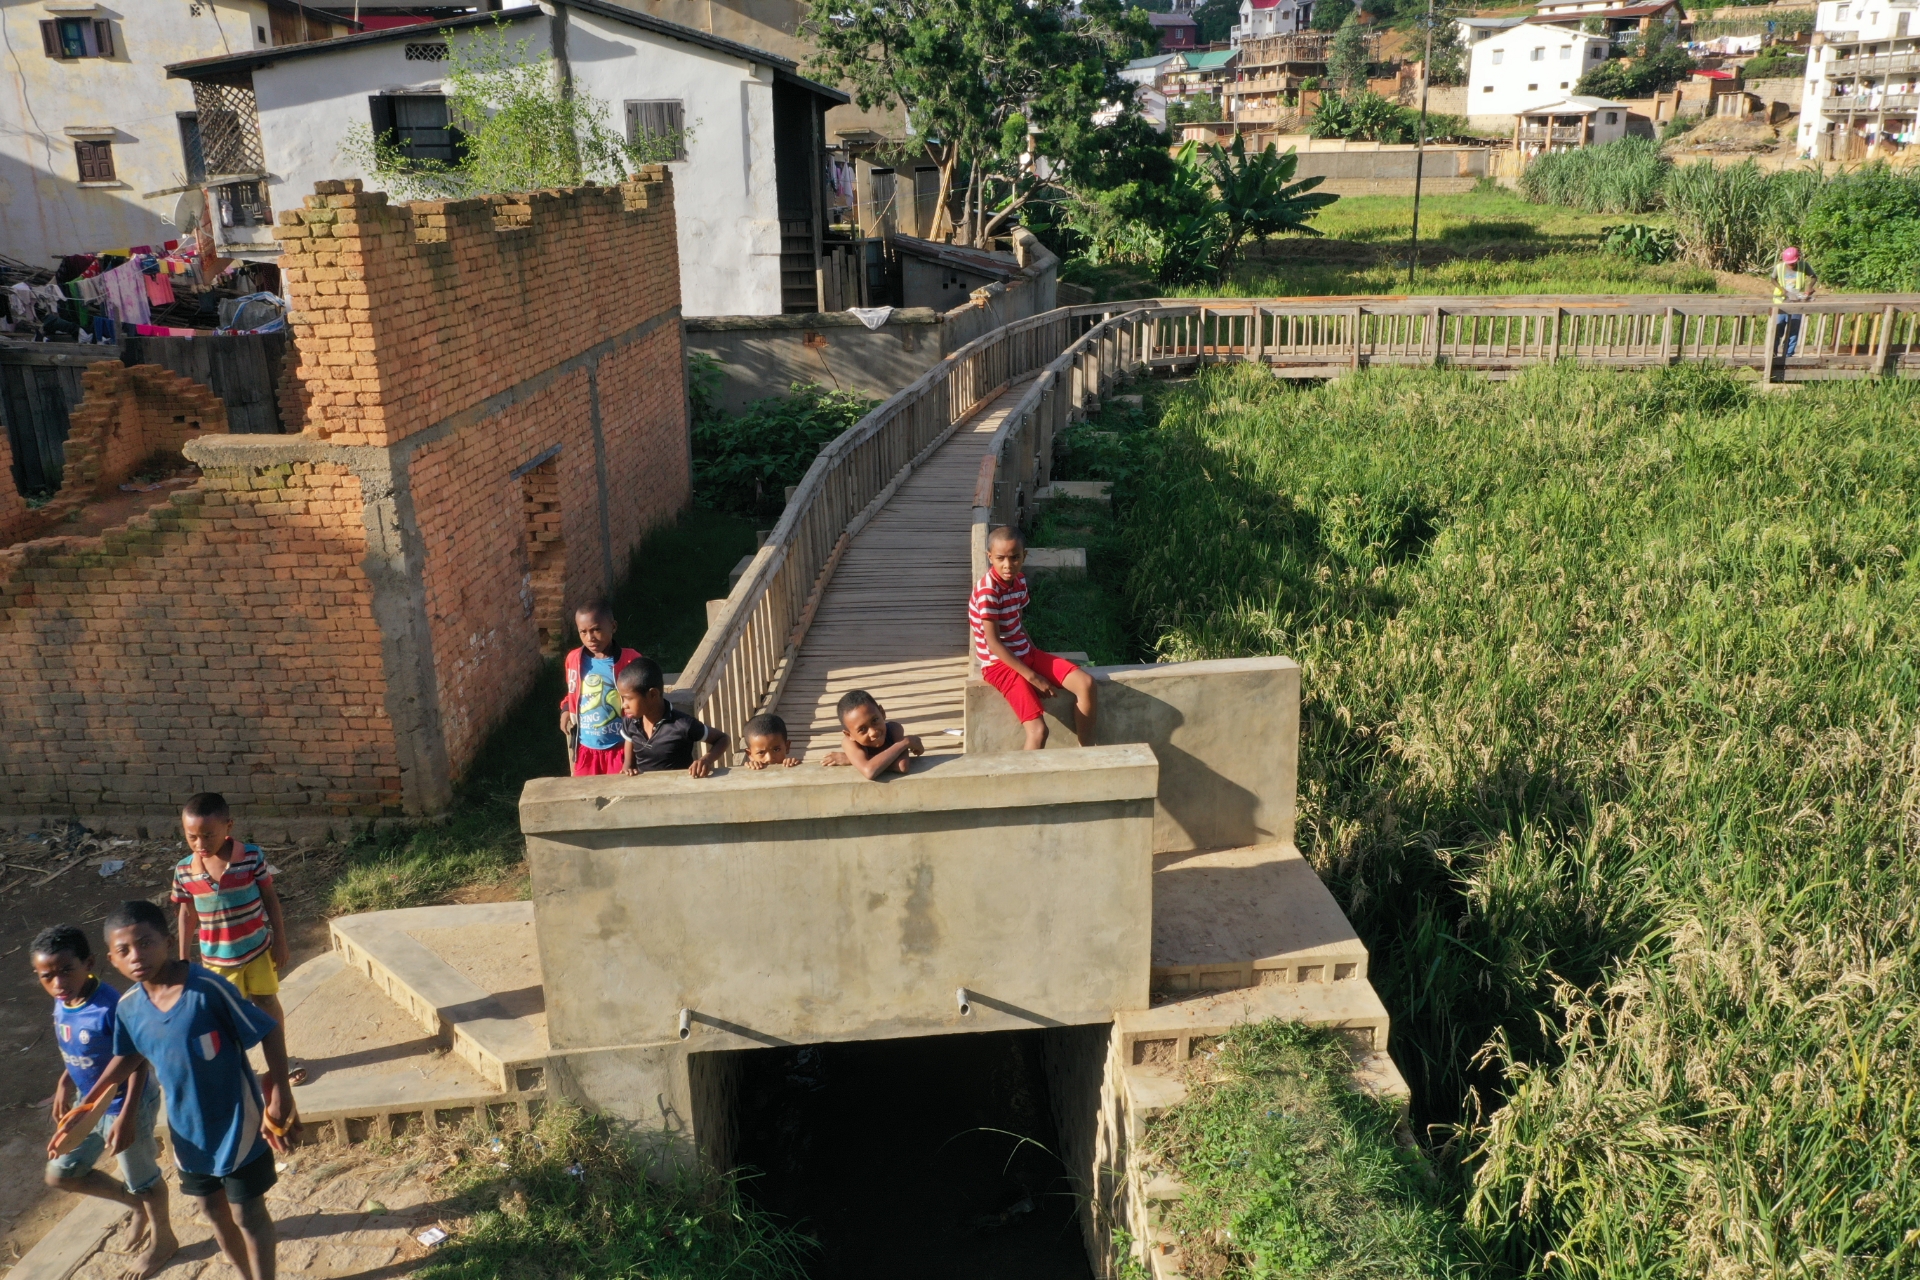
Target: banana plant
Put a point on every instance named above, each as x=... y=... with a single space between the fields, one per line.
x=1256 y=194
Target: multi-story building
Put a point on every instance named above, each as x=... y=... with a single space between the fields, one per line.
x=1260 y=18
x=100 y=149
x=1862 y=91
x=1622 y=23
x=1527 y=66
x=1271 y=69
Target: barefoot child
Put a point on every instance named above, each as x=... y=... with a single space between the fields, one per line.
x=591 y=705
x=227 y=903
x=1008 y=660
x=83 y=1023
x=767 y=743
x=869 y=741
x=656 y=736
x=193 y=1031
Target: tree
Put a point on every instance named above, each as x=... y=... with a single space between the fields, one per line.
x=521 y=127
x=1257 y=195
x=1330 y=15
x=1347 y=60
x=1449 y=63
x=1655 y=67
x=1217 y=19
x=989 y=84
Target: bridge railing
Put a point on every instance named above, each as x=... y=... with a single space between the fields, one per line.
x=1077 y=354
x=747 y=653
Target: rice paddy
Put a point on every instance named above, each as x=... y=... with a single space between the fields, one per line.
x=1610 y=752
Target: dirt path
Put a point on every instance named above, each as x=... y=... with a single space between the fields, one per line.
x=53 y=877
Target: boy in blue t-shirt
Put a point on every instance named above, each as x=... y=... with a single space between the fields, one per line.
x=83 y=1027
x=193 y=1030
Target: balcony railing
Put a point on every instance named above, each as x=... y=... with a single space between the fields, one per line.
x=1879 y=64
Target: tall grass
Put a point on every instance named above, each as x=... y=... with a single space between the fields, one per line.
x=1737 y=217
x=1291 y=1171
x=1619 y=177
x=1611 y=751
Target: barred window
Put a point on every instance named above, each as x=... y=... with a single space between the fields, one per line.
x=426 y=53
x=661 y=121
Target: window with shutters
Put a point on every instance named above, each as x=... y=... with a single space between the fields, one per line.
x=67 y=38
x=417 y=124
x=96 y=161
x=658 y=126
x=191 y=152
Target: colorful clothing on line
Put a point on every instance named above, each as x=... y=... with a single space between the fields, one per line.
x=1004 y=602
x=233 y=915
x=198 y=1052
x=124 y=290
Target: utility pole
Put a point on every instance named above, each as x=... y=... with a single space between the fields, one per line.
x=1420 y=149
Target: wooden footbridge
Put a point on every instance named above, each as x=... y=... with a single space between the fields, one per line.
x=863 y=582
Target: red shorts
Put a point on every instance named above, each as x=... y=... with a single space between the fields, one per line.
x=1018 y=692
x=596 y=760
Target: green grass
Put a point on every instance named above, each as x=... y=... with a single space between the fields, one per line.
x=659 y=610
x=1491 y=241
x=571 y=1198
x=1609 y=751
x=1292 y=1172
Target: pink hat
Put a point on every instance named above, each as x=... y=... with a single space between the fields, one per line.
x=1789 y=254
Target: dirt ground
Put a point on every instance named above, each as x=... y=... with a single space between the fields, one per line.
x=52 y=877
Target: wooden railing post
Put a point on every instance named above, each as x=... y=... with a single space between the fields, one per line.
x=1772 y=338
x=1882 y=366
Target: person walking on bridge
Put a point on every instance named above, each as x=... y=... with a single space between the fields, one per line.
x=1792 y=282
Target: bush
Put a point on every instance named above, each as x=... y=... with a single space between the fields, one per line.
x=1862 y=230
x=1638 y=241
x=1364 y=115
x=1657 y=67
x=1775 y=62
x=743 y=465
x=1620 y=177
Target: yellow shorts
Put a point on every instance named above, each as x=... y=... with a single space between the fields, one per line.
x=257 y=977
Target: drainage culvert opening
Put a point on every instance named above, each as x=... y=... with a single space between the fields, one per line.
x=936 y=1157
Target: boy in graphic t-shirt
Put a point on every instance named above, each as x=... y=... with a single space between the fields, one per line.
x=592 y=702
x=1009 y=661
x=193 y=1031
x=83 y=1027
x=227 y=904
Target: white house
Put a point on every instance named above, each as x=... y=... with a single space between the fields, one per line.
x=1568 y=123
x=1527 y=66
x=1862 y=89
x=747 y=188
x=1271 y=18
x=98 y=148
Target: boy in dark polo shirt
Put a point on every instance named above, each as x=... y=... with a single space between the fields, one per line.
x=657 y=736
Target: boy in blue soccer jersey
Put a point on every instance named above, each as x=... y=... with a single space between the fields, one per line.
x=192 y=1030
x=83 y=1026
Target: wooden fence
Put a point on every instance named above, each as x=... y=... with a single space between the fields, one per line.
x=1076 y=355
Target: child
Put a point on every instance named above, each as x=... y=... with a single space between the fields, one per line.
x=193 y=1031
x=767 y=743
x=227 y=902
x=591 y=705
x=1008 y=660
x=83 y=1023
x=657 y=736
x=869 y=741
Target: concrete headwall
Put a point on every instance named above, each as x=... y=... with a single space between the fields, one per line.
x=1226 y=734
x=807 y=905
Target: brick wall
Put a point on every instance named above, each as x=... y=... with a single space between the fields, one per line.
x=17 y=520
x=491 y=412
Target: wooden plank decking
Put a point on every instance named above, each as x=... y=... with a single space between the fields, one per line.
x=893 y=619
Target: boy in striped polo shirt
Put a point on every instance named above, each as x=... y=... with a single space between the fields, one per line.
x=1008 y=660
x=227 y=903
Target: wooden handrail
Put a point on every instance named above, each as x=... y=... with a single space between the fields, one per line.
x=1077 y=354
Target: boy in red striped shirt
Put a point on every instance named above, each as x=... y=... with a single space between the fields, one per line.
x=1008 y=660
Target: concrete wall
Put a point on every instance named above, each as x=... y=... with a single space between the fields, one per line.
x=807 y=905
x=44 y=211
x=765 y=355
x=1221 y=784
x=728 y=225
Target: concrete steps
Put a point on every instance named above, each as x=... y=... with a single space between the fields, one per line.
x=1254 y=917
x=419 y=1019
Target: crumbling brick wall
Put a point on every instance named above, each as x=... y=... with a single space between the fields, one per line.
x=127 y=415
x=490 y=393
x=17 y=519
